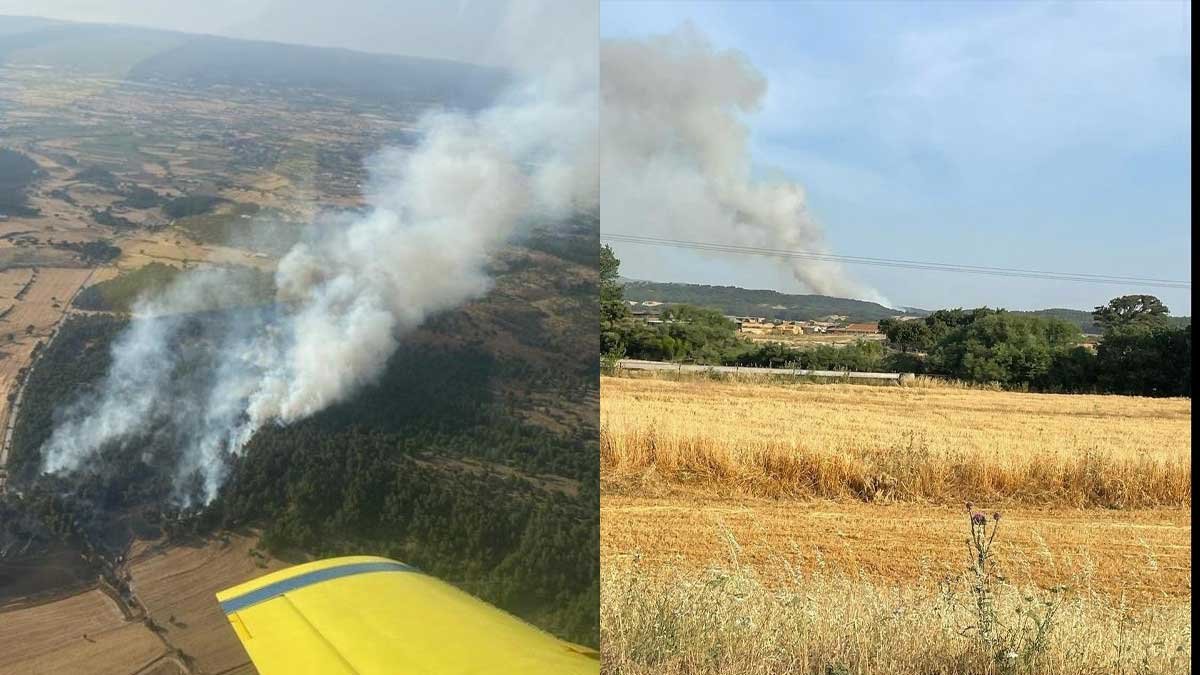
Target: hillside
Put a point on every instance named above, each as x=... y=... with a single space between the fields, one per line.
x=473 y=457
x=148 y=55
x=735 y=301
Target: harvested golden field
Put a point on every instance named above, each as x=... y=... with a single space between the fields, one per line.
x=43 y=303
x=174 y=626
x=177 y=586
x=754 y=586
x=174 y=248
x=83 y=634
x=875 y=443
x=760 y=527
x=32 y=304
x=1144 y=555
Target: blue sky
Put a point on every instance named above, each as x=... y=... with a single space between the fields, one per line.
x=1051 y=136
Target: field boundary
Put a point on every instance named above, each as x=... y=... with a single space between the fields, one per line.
x=14 y=409
x=636 y=364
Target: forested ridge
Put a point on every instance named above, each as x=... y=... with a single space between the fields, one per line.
x=735 y=301
x=437 y=464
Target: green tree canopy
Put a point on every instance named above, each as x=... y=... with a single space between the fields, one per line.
x=1131 y=311
x=613 y=312
x=1003 y=347
x=910 y=335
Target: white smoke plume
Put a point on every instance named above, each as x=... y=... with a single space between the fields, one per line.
x=675 y=162
x=356 y=283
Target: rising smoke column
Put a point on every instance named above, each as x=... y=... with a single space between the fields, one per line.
x=675 y=161
x=356 y=283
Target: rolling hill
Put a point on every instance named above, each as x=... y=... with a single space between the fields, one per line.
x=158 y=56
x=732 y=300
x=735 y=301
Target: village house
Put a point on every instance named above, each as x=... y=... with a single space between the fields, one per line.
x=762 y=326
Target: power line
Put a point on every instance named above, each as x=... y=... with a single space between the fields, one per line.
x=1078 y=277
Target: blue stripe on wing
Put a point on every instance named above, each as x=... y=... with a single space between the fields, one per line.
x=308 y=579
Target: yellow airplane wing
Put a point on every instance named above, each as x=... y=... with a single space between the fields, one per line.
x=365 y=614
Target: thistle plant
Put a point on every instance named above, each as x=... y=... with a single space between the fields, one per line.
x=1018 y=643
x=984 y=571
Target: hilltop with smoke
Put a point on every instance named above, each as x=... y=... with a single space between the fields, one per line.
x=676 y=161
x=350 y=289
x=415 y=377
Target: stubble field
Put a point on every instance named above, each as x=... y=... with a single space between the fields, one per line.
x=762 y=528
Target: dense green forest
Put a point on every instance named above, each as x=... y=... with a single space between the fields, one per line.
x=1142 y=350
x=438 y=464
x=703 y=335
x=117 y=294
x=426 y=466
x=17 y=173
x=100 y=252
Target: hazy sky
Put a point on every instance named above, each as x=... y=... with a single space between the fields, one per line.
x=1036 y=135
x=1043 y=136
x=463 y=30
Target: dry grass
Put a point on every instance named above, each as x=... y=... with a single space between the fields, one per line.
x=933 y=444
x=1143 y=555
x=762 y=527
x=727 y=622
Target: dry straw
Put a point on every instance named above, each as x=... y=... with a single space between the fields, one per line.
x=823 y=623
x=873 y=443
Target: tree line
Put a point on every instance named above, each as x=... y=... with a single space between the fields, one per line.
x=1142 y=351
x=17 y=173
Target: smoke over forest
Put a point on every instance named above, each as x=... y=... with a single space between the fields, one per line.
x=202 y=382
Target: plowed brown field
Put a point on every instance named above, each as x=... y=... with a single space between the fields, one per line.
x=83 y=634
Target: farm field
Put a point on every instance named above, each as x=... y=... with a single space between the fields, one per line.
x=813 y=339
x=1144 y=555
x=85 y=633
x=177 y=587
x=32 y=303
x=43 y=303
x=745 y=525
x=882 y=443
x=174 y=590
